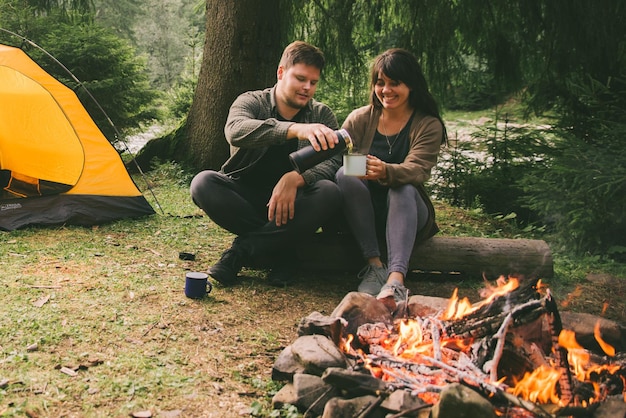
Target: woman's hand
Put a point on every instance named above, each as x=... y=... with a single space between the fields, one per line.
x=375 y=168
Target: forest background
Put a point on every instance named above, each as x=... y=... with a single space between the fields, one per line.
x=546 y=78
x=142 y=61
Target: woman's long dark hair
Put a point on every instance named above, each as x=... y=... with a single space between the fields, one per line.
x=400 y=65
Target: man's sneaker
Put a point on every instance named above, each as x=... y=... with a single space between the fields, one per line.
x=372 y=279
x=226 y=269
x=398 y=291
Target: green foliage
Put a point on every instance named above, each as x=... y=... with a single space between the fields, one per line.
x=564 y=178
x=180 y=97
x=119 y=15
x=453 y=177
x=109 y=69
x=581 y=191
x=46 y=6
x=258 y=409
x=105 y=64
x=170 y=36
x=483 y=172
x=475 y=89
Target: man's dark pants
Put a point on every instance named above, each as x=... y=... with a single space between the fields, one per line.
x=242 y=210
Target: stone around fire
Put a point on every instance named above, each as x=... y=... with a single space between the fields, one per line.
x=317 y=353
x=458 y=401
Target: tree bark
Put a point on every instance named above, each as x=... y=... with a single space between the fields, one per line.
x=241 y=53
x=466 y=257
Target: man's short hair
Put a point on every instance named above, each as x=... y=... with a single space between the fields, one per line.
x=302 y=52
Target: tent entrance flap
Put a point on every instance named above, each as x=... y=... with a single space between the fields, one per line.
x=15 y=185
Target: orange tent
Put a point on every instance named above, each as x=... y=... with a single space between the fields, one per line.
x=56 y=166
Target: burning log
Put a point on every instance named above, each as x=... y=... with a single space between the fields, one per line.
x=510 y=348
x=476 y=327
x=559 y=353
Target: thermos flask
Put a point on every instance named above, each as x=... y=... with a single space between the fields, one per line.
x=307 y=157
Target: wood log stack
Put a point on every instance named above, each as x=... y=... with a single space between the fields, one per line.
x=446 y=363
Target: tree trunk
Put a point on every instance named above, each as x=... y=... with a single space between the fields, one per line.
x=460 y=257
x=241 y=52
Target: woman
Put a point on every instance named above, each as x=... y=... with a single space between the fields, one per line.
x=401 y=132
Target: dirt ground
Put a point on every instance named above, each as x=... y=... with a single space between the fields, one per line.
x=257 y=322
x=109 y=301
x=144 y=346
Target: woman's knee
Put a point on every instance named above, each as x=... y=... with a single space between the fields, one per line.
x=349 y=184
x=405 y=191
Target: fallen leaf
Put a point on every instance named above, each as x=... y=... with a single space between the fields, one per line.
x=68 y=371
x=41 y=301
x=32 y=347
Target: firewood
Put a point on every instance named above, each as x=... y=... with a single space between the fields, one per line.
x=481 y=327
x=356 y=383
x=501 y=337
x=559 y=353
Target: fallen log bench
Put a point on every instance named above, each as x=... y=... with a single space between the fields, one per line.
x=460 y=256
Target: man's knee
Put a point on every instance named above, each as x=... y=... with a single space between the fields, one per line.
x=201 y=182
x=329 y=190
x=202 y=187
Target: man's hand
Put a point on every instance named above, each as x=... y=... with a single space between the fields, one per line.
x=319 y=135
x=281 y=207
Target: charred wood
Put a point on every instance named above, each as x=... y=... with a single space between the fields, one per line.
x=559 y=353
x=354 y=383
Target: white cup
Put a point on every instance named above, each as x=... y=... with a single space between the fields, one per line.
x=354 y=164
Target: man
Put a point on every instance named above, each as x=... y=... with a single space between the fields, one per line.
x=257 y=195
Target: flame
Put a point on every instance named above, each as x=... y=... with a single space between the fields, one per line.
x=605 y=306
x=410 y=341
x=576 y=355
x=541 y=287
x=580 y=360
x=539 y=386
x=607 y=348
x=458 y=309
x=574 y=295
x=346 y=344
x=413 y=342
x=411 y=338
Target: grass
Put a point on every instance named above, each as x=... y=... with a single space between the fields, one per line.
x=94 y=321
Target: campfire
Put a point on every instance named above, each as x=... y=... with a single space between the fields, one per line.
x=506 y=355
